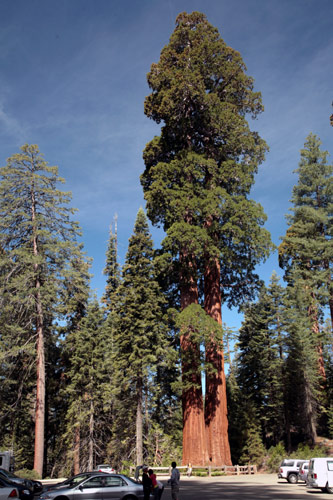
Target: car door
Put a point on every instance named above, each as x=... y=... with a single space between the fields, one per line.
x=330 y=473
x=115 y=487
x=90 y=489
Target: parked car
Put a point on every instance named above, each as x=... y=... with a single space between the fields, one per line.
x=8 y=492
x=303 y=471
x=321 y=474
x=106 y=468
x=289 y=469
x=35 y=486
x=99 y=487
x=72 y=481
x=23 y=492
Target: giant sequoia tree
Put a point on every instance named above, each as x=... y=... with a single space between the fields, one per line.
x=38 y=240
x=198 y=176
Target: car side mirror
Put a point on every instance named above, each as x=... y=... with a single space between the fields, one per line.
x=81 y=487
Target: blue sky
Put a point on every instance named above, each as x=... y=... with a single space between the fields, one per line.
x=73 y=81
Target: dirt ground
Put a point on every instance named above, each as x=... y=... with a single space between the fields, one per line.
x=254 y=487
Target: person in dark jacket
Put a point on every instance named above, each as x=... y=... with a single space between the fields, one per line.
x=146 y=483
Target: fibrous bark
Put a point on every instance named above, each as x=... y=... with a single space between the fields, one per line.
x=194 y=440
x=216 y=419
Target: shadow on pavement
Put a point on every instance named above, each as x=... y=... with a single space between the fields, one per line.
x=240 y=491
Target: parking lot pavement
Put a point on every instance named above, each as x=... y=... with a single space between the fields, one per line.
x=254 y=487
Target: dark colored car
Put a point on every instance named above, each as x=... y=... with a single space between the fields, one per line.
x=98 y=487
x=72 y=481
x=23 y=491
x=35 y=486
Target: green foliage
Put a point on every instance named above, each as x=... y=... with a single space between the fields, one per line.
x=140 y=349
x=112 y=272
x=278 y=453
x=305 y=451
x=306 y=256
x=200 y=170
x=261 y=359
x=275 y=456
x=28 y=474
x=253 y=451
x=200 y=329
x=38 y=242
x=330 y=422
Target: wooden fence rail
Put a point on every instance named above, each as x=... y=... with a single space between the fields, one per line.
x=209 y=470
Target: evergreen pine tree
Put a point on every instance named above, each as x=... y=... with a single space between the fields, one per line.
x=86 y=421
x=38 y=240
x=138 y=341
x=261 y=359
x=302 y=375
x=307 y=244
x=112 y=270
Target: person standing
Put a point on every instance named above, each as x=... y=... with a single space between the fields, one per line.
x=154 y=483
x=189 y=470
x=146 y=483
x=160 y=489
x=174 y=481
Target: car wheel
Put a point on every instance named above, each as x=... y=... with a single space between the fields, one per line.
x=292 y=478
x=131 y=497
x=328 y=489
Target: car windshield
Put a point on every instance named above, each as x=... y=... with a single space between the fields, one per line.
x=130 y=480
x=74 y=481
x=287 y=463
x=9 y=474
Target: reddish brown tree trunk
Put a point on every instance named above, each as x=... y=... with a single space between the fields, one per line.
x=194 y=440
x=40 y=394
x=77 y=444
x=91 y=437
x=313 y=315
x=216 y=419
x=139 y=422
x=40 y=385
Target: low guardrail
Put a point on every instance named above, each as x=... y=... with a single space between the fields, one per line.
x=209 y=470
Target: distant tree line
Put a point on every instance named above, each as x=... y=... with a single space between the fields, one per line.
x=85 y=381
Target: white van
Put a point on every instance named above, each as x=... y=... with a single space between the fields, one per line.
x=321 y=474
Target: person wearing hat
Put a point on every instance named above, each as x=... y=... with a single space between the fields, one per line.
x=146 y=483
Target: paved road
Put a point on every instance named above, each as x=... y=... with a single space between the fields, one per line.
x=255 y=487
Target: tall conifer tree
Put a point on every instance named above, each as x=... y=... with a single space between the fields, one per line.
x=302 y=374
x=87 y=375
x=261 y=358
x=198 y=175
x=111 y=270
x=138 y=337
x=38 y=239
x=306 y=251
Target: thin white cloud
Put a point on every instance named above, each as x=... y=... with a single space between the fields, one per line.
x=12 y=126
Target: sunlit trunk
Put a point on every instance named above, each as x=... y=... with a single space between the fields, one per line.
x=77 y=444
x=40 y=385
x=194 y=441
x=91 y=438
x=216 y=419
x=139 y=445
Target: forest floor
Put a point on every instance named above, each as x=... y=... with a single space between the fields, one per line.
x=245 y=487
